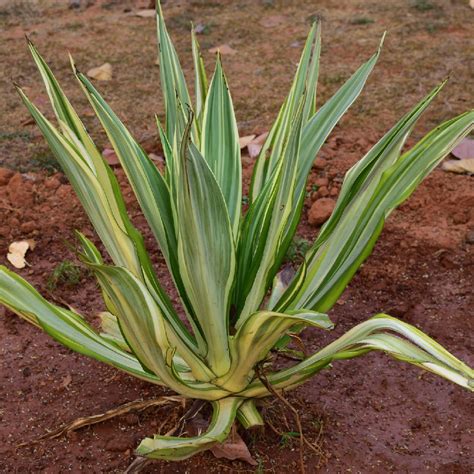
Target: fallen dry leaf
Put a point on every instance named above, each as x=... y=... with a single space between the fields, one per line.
x=66 y=381
x=256 y=144
x=157 y=158
x=233 y=448
x=101 y=73
x=17 y=251
x=260 y=140
x=471 y=3
x=254 y=149
x=223 y=49
x=145 y=13
x=244 y=141
x=110 y=157
x=465 y=150
x=459 y=166
x=272 y=21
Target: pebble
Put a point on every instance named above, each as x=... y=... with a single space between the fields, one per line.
x=118 y=445
x=63 y=191
x=28 y=227
x=470 y=237
x=320 y=164
x=20 y=192
x=321 y=182
x=52 y=183
x=5 y=175
x=320 y=211
x=132 y=419
x=323 y=191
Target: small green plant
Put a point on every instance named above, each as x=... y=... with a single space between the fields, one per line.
x=361 y=20
x=44 y=160
x=422 y=5
x=225 y=265
x=66 y=273
x=297 y=250
x=287 y=438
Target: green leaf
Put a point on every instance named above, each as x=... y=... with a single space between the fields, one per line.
x=257 y=336
x=175 y=448
x=206 y=251
x=65 y=326
x=263 y=227
x=150 y=337
x=375 y=334
x=173 y=82
x=249 y=416
x=304 y=83
x=200 y=78
x=220 y=144
x=365 y=174
x=332 y=265
x=150 y=187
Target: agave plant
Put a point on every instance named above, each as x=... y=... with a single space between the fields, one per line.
x=237 y=309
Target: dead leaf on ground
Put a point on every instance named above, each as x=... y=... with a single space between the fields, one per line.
x=101 y=73
x=244 y=141
x=17 y=251
x=110 y=156
x=256 y=144
x=465 y=150
x=66 y=381
x=272 y=21
x=254 y=149
x=223 y=49
x=260 y=140
x=471 y=3
x=459 y=166
x=233 y=448
x=148 y=13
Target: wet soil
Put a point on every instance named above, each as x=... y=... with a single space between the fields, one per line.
x=371 y=414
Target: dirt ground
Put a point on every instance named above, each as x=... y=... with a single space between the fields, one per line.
x=371 y=414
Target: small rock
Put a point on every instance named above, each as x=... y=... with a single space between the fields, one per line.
x=399 y=310
x=320 y=211
x=20 y=192
x=470 y=237
x=14 y=223
x=52 y=183
x=132 y=419
x=72 y=436
x=63 y=191
x=320 y=164
x=323 y=191
x=460 y=216
x=333 y=191
x=321 y=182
x=28 y=227
x=5 y=175
x=118 y=445
x=26 y=372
